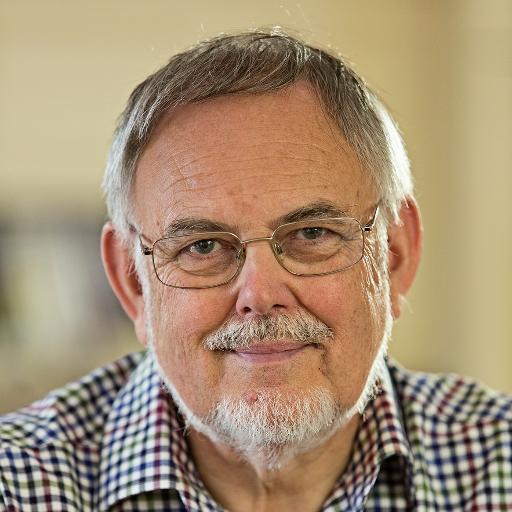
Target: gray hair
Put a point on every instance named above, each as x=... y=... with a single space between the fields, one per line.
x=252 y=63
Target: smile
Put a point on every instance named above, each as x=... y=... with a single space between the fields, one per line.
x=267 y=353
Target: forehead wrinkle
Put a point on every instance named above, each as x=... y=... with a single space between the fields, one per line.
x=184 y=141
x=191 y=167
x=255 y=158
x=176 y=161
x=163 y=167
x=281 y=178
x=210 y=180
x=284 y=143
x=179 y=179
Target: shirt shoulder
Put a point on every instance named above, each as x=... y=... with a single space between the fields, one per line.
x=450 y=399
x=460 y=437
x=52 y=446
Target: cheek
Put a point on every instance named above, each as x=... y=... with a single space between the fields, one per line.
x=350 y=308
x=181 y=319
x=343 y=301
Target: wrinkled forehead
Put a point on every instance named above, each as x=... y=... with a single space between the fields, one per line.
x=253 y=150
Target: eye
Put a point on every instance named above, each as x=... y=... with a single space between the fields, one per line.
x=311 y=233
x=204 y=246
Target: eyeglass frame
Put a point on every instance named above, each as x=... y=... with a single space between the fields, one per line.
x=149 y=251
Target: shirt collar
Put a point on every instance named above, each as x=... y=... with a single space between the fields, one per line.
x=144 y=447
x=380 y=444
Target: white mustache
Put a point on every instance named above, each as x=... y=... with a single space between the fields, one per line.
x=301 y=327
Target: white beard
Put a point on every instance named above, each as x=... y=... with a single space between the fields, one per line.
x=276 y=427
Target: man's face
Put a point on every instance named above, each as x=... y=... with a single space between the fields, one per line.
x=246 y=162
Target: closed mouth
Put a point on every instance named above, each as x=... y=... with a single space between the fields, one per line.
x=269 y=352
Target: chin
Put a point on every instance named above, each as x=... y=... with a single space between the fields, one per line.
x=270 y=427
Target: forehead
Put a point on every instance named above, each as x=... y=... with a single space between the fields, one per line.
x=253 y=156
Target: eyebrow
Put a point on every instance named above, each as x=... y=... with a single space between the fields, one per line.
x=190 y=225
x=315 y=210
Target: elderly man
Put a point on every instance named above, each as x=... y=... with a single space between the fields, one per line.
x=263 y=234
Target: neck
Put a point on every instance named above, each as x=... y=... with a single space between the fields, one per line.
x=301 y=482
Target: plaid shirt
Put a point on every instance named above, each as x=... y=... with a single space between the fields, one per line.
x=113 y=442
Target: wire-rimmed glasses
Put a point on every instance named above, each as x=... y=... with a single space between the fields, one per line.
x=313 y=247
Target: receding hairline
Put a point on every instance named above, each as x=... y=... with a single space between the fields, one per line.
x=303 y=87
x=189 y=140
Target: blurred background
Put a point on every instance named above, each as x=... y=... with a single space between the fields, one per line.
x=66 y=70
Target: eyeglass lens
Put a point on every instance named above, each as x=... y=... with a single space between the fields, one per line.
x=302 y=248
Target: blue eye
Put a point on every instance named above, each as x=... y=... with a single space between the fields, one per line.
x=311 y=233
x=204 y=246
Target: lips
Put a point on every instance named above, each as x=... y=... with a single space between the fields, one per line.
x=269 y=352
x=270 y=348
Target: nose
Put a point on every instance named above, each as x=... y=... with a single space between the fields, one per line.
x=262 y=286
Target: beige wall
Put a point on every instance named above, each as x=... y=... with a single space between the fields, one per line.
x=443 y=67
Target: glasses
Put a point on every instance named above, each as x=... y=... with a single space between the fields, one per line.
x=305 y=248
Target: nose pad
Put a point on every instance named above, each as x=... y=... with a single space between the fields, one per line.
x=278 y=250
x=240 y=255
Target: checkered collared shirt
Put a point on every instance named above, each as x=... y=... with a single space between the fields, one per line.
x=113 y=442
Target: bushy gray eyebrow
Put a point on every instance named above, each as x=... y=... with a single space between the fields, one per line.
x=191 y=225
x=311 y=211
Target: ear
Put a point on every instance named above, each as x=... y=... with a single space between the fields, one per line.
x=405 y=244
x=121 y=274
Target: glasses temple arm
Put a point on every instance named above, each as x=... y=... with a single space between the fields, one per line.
x=146 y=251
x=371 y=223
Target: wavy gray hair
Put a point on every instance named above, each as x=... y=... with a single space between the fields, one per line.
x=250 y=63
